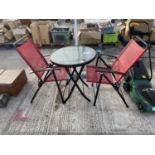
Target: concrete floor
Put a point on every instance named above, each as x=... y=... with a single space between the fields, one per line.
x=48 y=116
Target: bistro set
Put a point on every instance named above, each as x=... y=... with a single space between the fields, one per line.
x=67 y=64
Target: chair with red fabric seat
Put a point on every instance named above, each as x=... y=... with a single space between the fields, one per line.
x=44 y=71
x=113 y=74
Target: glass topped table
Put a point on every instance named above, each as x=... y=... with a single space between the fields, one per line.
x=71 y=58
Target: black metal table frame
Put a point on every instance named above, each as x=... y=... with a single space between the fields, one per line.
x=75 y=76
x=72 y=78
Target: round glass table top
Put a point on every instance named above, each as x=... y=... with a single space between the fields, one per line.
x=73 y=56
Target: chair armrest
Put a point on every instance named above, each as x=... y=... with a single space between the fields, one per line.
x=47 y=55
x=109 y=71
x=108 y=55
x=45 y=69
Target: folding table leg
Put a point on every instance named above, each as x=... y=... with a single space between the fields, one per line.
x=68 y=81
x=81 y=79
x=75 y=71
x=75 y=83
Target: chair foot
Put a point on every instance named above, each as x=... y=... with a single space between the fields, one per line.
x=63 y=102
x=35 y=94
x=97 y=91
x=122 y=97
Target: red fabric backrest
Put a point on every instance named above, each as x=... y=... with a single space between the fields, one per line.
x=126 y=59
x=32 y=56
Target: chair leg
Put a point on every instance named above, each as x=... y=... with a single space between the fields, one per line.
x=58 y=86
x=96 y=95
x=122 y=97
x=97 y=91
x=60 y=93
x=39 y=86
x=117 y=90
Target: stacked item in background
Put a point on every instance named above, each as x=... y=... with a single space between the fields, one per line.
x=5 y=34
x=11 y=30
x=60 y=36
x=89 y=33
x=142 y=27
x=41 y=32
x=109 y=36
x=49 y=32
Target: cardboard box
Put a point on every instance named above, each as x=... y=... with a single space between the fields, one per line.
x=17 y=37
x=1 y=25
x=40 y=32
x=19 y=31
x=26 y=22
x=35 y=33
x=44 y=34
x=3 y=30
x=84 y=27
x=12 y=81
x=12 y=23
x=2 y=39
x=45 y=22
x=90 y=37
x=9 y=35
x=1 y=71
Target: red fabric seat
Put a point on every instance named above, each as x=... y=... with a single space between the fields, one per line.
x=33 y=57
x=93 y=76
x=61 y=75
x=44 y=71
x=113 y=74
x=128 y=56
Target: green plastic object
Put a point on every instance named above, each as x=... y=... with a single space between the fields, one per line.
x=60 y=36
x=110 y=38
x=136 y=95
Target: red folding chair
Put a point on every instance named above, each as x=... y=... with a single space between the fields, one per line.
x=44 y=71
x=113 y=74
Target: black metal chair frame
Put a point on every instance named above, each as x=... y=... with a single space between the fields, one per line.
x=117 y=85
x=50 y=70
